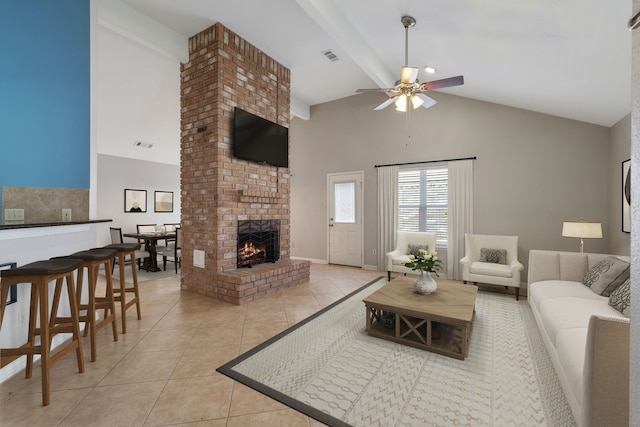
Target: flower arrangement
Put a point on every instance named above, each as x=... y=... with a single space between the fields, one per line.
x=425 y=261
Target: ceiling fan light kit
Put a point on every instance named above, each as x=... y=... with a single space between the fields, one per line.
x=408 y=87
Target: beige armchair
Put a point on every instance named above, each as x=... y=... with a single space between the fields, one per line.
x=397 y=258
x=492 y=260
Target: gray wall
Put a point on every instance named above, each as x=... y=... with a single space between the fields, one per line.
x=115 y=174
x=634 y=380
x=532 y=172
x=619 y=242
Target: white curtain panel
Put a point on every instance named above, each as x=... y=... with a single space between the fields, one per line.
x=460 y=213
x=387 y=212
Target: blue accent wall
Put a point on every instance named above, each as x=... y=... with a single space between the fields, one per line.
x=44 y=93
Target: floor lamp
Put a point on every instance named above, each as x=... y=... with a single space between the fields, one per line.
x=582 y=230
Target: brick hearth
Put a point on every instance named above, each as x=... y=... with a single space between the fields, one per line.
x=225 y=71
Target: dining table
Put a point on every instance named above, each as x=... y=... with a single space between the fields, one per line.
x=150 y=242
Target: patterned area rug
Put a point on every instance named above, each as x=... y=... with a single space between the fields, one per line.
x=328 y=368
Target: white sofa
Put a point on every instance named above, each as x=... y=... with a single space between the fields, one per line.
x=397 y=258
x=587 y=339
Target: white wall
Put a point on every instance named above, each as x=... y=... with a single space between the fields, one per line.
x=137 y=90
x=33 y=244
x=115 y=174
x=532 y=172
x=137 y=85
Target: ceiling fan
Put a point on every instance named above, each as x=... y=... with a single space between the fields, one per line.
x=408 y=88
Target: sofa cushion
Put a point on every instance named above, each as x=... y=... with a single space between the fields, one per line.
x=570 y=347
x=571 y=312
x=620 y=299
x=604 y=277
x=414 y=249
x=546 y=289
x=494 y=256
x=401 y=260
x=490 y=269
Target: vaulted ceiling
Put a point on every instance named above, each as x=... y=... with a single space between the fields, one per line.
x=569 y=58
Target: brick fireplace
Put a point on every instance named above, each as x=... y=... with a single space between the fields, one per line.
x=218 y=191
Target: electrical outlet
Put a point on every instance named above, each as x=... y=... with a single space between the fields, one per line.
x=375 y=252
x=14 y=215
x=66 y=215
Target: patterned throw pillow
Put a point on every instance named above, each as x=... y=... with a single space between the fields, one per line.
x=494 y=256
x=604 y=277
x=415 y=249
x=620 y=299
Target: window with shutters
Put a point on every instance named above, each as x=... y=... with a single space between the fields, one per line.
x=422 y=201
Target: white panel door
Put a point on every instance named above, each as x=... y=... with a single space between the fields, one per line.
x=345 y=218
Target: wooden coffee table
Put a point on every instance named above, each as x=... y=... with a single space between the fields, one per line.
x=440 y=322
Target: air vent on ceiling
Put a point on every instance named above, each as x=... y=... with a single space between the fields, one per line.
x=330 y=55
x=142 y=144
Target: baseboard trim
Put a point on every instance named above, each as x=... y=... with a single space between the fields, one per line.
x=313 y=260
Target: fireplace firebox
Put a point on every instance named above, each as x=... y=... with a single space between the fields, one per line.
x=258 y=242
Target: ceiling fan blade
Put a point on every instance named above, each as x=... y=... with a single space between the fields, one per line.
x=427 y=100
x=440 y=84
x=385 y=104
x=409 y=75
x=373 y=90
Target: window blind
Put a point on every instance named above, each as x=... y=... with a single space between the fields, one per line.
x=422 y=201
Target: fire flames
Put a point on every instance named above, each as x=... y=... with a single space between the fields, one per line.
x=250 y=253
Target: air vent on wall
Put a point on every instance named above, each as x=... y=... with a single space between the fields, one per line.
x=330 y=55
x=142 y=144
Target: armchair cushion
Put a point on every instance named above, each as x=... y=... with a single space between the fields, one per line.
x=401 y=260
x=490 y=269
x=414 y=249
x=496 y=256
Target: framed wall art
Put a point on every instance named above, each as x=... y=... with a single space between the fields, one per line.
x=135 y=200
x=626 y=196
x=13 y=290
x=163 y=201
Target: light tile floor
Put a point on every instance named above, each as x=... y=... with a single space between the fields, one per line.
x=163 y=371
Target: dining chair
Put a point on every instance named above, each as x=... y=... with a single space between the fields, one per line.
x=145 y=228
x=173 y=251
x=116 y=239
x=170 y=228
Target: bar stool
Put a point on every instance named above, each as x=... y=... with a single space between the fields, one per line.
x=124 y=250
x=39 y=274
x=92 y=260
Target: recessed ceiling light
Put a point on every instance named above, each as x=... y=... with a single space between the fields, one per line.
x=429 y=69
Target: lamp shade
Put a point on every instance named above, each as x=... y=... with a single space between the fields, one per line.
x=582 y=229
x=401 y=103
x=416 y=101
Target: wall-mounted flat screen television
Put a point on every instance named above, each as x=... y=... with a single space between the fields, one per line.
x=259 y=140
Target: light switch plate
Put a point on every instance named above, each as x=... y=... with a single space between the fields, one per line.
x=198 y=258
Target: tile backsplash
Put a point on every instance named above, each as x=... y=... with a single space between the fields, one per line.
x=45 y=205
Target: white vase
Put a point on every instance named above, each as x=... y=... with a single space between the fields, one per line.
x=424 y=283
